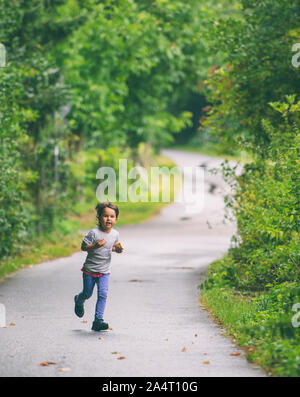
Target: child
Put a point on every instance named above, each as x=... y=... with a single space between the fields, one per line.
x=99 y=243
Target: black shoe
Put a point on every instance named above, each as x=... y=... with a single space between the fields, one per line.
x=79 y=309
x=99 y=325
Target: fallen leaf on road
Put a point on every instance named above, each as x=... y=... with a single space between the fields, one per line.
x=206 y=362
x=196 y=335
x=235 y=354
x=100 y=338
x=115 y=352
x=183 y=349
x=84 y=321
x=120 y=358
x=46 y=363
x=110 y=328
x=12 y=324
x=64 y=369
x=135 y=281
x=166 y=339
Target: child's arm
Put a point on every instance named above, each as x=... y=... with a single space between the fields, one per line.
x=97 y=244
x=117 y=247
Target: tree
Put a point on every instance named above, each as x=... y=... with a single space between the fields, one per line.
x=256 y=70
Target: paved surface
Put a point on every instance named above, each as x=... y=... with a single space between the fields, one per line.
x=153 y=304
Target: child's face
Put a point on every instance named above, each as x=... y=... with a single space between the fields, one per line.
x=108 y=219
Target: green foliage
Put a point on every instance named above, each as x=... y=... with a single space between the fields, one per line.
x=30 y=94
x=266 y=206
x=86 y=82
x=256 y=69
x=263 y=264
x=253 y=80
x=124 y=63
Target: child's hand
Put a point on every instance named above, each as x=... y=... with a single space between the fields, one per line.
x=101 y=242
x=118 y=247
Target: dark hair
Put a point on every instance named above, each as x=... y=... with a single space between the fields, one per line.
x=100 y=207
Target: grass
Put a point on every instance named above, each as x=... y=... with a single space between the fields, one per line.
x=267 y=336
x=66 y=237
x=231 y=310
x=234 y=312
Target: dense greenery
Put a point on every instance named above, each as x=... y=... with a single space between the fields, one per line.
x=254 y=105
x=145 y=51
x=256 y=69
x=31 y=93
x=266 y=206
x=264 y=264
x=85 y=83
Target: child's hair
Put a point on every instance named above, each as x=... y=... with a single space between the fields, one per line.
x=100 y=207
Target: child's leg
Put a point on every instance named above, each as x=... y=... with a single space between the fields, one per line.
x=88 y=287
x=102 y=289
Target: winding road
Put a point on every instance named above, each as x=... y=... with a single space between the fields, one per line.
x=158 y=325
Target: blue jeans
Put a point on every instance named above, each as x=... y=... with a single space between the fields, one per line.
x=102 y=289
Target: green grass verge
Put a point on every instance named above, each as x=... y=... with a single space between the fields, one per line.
x=66 y=237
x=259 y=325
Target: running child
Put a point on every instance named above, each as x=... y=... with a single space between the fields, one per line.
x=99 y=244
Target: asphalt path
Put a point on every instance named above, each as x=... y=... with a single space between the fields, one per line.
x=158 y=327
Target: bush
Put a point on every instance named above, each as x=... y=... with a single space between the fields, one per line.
x=266 y=207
